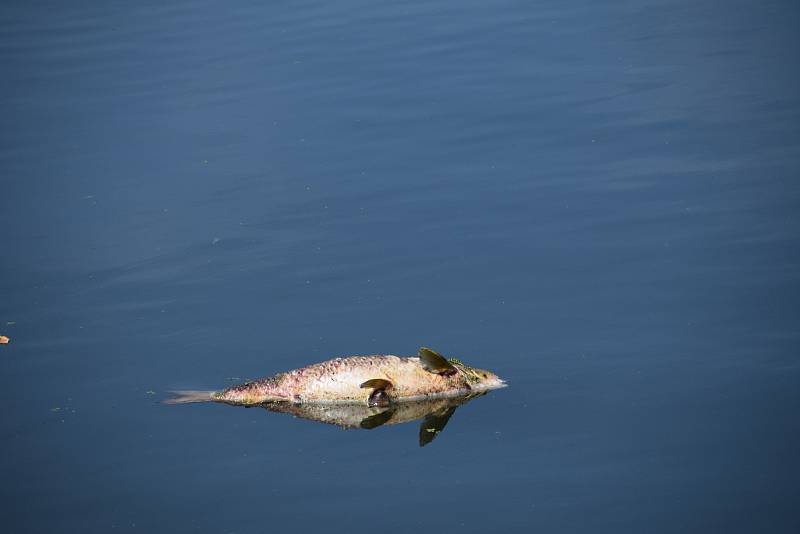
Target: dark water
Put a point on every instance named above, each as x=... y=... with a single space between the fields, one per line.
x=597 y=200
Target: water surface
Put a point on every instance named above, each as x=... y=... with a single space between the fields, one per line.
x=597 y=201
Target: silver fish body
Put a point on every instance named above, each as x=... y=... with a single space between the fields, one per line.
x=341 y=380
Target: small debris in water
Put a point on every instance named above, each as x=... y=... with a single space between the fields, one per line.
x=4 y=340
x=150 y=392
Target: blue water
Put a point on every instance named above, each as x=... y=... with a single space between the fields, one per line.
x=599 y=201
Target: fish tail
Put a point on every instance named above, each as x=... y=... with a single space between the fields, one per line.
x=190 y=396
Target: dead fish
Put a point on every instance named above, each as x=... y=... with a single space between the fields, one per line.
x=377 y=380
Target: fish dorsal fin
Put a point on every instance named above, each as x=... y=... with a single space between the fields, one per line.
x=377 y=383
x=434 y=362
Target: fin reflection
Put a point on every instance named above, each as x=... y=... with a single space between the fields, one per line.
x=434 y=413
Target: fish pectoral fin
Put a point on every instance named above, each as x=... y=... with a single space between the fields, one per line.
x=433 y=362
x=377 y=383
x=433 y=424
x=379 y=387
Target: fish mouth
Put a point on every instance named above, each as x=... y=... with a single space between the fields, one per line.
x=498 y=383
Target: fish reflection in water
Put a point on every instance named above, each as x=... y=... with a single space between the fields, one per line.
x=364 y=391
x=435 y=413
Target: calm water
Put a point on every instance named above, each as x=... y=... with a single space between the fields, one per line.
x=597 y=200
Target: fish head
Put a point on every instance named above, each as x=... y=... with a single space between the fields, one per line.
x=480 y=379
x=484 y=379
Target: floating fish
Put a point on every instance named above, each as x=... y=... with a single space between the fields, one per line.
x=376 y=381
